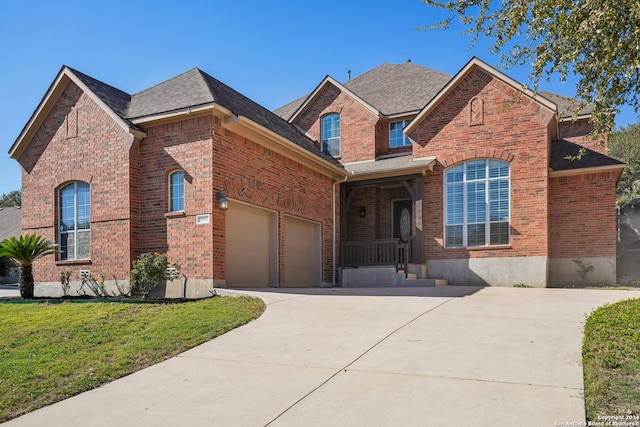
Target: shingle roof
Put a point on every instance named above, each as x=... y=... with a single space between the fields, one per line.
x=567 y=106
x=191 y=89
x=390 y=88
x=10 y=222
x=113 y=97
x=387 y=165
x=560 y=149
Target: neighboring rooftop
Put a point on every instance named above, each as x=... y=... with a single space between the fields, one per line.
x=10 y=222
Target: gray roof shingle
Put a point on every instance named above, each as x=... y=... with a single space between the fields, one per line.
x=567 y=106
x=560 y=149
x=191 y=89
x=390 y=88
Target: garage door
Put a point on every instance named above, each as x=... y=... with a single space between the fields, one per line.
x=302 y=253
x=251 y=246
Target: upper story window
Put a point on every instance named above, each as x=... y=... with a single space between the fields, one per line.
x=476 y=196
x=397 y=138
x=330 y=129
x=74 y=211
x=176 y=191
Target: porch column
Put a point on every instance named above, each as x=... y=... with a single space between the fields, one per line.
x=418 y=249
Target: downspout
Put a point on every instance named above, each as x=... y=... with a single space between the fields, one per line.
x=333 y=284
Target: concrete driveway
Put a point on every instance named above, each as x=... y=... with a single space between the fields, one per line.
x=366 y=357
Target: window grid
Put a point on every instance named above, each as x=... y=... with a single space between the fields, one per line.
x=331 y=134
x=176 y=191
x=477 y=204
x=74 y=213
x=397 y=138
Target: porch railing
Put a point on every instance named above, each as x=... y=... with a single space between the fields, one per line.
x=376 y=252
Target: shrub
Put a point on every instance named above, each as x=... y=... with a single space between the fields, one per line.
x=149 y=270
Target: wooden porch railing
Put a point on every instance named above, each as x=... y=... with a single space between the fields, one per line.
x=376 y=252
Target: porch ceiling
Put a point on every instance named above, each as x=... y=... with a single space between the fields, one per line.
x=393 y=166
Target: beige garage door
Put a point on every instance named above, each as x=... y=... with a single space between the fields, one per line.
x=302 y=253
x=251 y=250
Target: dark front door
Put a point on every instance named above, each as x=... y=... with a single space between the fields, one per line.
x=402 y=219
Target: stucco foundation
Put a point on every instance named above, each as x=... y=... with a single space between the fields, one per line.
x=508 y=271
x=564 y=271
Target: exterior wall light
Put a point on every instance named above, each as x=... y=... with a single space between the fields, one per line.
x=223 y=203
x=363 y=212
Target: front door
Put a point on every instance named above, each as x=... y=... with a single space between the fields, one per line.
x=402 y=219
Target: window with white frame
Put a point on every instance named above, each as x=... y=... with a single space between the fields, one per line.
x=476 y=195
x=330 y=129
x=176 y=191
x=397 y=138
x=74 y=211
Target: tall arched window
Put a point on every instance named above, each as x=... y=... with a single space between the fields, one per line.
x=176 y=191
x=74 y=201
x=476 y=195
x=330 y=129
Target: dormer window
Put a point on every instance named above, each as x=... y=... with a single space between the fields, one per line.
x=330 y=129
x=397 y=138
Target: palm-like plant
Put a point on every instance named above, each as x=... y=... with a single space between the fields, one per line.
x=25 y=250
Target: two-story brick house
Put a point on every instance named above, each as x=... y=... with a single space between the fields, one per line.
x=462 y=177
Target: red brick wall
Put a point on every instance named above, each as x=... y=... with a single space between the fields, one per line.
x=182 y=145
x=78 y=141
x=579 y=131
x=513 y=132
x=357 y=124
x=582 y=216
x=252 y=173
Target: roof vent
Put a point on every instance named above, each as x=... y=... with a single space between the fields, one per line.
x=348 y=75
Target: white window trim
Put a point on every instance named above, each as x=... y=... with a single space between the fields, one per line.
x=76 y=232
x=169 y=192
x=465 y=223
x=324 y=142
x=406 y=142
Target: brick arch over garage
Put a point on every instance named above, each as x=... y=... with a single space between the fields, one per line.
x=486 y=153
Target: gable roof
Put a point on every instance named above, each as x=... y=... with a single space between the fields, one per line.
x=457 y=79
x=390 y=89
x=190 y=90
x=568 y=107
x=561 y=165
x=326 y=82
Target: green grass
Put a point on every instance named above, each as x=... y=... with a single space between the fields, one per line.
x=611 y=360
x=49 y=352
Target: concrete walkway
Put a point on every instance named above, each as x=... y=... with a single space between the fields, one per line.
x=366 y=357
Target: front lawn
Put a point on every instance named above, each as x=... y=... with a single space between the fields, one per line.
x=51 y=351
x=611 y=360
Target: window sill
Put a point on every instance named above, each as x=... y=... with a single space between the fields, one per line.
x=177 y=214
x=481 y=248
x=74 y=262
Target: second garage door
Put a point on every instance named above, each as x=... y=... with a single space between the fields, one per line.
x=302 y=253
x=251 y=246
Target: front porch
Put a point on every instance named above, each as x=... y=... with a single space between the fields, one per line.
x=381 y=233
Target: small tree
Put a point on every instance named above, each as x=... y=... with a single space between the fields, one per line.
x=148 y=270
x=26 y=250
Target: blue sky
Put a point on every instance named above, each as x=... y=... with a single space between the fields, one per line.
x=271 y=51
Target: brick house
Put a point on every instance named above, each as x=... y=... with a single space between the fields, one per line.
x=401 y=176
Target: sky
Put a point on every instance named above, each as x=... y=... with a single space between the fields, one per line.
x=271 y=51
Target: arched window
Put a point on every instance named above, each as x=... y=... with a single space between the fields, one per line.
x=330 y=129
x=74 y=215
x=176 y=191
x=476 y=195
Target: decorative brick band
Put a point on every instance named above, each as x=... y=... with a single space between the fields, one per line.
x=482 y=153
x=68 y=176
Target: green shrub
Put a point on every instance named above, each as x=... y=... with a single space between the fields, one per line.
x=149 y=270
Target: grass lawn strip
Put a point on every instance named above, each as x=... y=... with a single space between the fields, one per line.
x=611 y=360
x=49 y=352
